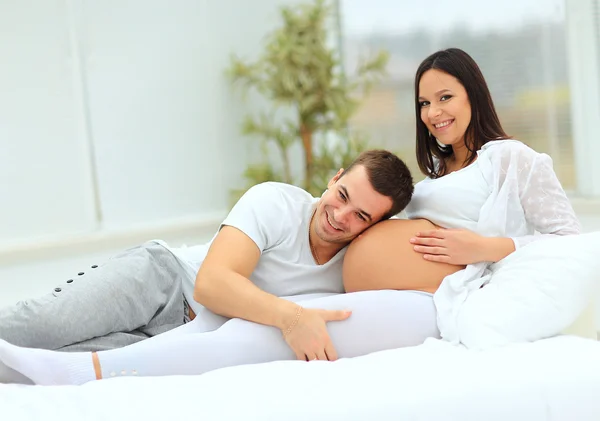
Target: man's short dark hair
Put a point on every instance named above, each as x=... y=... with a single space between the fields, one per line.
x=388 y=175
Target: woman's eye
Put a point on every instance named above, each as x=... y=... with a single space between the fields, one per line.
x=445 y=97
x=423 y=104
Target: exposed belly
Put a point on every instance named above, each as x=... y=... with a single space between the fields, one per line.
x=383 y=258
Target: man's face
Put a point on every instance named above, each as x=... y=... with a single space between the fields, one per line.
x=348 y=207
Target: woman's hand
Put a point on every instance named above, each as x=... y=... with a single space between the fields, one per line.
x=460 y=247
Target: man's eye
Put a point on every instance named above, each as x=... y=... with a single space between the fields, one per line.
x=342 y=196
x=362 y=218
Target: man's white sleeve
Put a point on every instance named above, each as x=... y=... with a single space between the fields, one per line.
x=260 y=214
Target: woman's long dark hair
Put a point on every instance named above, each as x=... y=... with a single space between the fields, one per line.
x=484 y=125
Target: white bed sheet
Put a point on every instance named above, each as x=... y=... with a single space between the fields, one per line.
x=554 y=379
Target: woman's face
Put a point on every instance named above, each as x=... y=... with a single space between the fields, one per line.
x=445 y=107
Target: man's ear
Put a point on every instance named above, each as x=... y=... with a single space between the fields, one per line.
x=335 y=178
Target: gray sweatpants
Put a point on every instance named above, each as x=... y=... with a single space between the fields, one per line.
x=135 y=295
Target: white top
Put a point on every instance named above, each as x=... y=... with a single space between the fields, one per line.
x=520 y=196
x=276 y=217
x=453 y=201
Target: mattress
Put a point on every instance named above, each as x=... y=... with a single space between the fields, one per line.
x=552 y=379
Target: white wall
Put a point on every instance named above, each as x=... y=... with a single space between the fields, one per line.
x=161 y=110
x=116 y=115
x=45 y=188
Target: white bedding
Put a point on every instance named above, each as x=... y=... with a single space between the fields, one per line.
x=553 y=379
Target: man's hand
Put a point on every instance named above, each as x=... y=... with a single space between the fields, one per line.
x=308 y=336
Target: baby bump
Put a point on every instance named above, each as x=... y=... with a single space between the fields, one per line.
x=383 y=258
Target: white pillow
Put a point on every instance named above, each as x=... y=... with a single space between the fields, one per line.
x=536 y=292
x=585 y=325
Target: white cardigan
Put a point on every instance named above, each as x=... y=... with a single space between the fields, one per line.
x=526 y=198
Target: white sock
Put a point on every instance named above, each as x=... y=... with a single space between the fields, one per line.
x=46 y=367
x=8 y=375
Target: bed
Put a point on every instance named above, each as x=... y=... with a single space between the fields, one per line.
x=551 y=379
x=528 y=351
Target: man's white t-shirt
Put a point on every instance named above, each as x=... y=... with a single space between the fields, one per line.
x=276 y=217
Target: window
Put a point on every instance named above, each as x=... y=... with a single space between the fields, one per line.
x=520 y=45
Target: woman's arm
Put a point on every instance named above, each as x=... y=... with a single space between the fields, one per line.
x=527 y=190
x=547 y=208
x=495 y=249
x=545 y=203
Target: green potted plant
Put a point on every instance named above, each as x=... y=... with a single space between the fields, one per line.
x=300 y=74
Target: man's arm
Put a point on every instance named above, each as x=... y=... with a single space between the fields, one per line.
x=222 y=283
x=222 y=286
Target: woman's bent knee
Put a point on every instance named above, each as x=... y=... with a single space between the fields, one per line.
x=382 y=320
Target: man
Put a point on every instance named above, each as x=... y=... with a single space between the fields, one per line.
x=277 y=241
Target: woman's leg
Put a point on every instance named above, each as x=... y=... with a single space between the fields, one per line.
x=380 y=320
x=205 y=321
